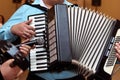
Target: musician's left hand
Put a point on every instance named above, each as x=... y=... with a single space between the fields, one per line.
x=117 y=48
x=24 y=49
x=10 y=73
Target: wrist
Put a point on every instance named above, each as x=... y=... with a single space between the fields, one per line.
x=12 y=30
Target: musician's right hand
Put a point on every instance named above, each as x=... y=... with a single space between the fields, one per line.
x=23 y=30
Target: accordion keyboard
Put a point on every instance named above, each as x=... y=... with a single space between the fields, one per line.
x=39 y=55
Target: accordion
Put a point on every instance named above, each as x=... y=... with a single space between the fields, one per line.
x=83 y=37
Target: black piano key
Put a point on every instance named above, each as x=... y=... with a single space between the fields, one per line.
x=41 y=51
x=42 y=67
x=42 y=63
x=39 y=20
x=40 y=58
x=39 y=17
x=39 y=25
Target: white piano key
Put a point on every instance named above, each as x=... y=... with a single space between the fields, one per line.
x=40 y=69
x=38 y=49
x=38 y=64
x=40 y=30
x=34 y=38
x=38 y=61
x=40 y=26
x=35 y=66
x=37 y=46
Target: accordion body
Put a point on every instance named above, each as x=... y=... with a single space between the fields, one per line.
x=81 y=37
x=43 y=57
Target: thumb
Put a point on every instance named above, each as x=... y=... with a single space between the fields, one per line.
x=28 y=22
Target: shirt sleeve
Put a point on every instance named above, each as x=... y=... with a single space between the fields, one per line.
x=19 y=16
x=5 y=31
x=66 y=2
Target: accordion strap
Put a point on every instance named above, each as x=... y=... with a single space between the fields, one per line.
x=37 y=6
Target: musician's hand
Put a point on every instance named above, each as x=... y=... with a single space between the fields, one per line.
x=23 y=30
x=25 y=49
x=117 y=48
x=10 y=73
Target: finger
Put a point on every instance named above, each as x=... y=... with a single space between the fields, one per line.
x=24 y=52
x=33 y=46
x=31 y=32
x=28 y=22
x=31 y=28
x=25 y=40
x=117 y=49
x=27 y=34
x=28 y=26
x=25 y=49
x=118 y=56
x=19 y=73
x=24 y=37
x=117 y=45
